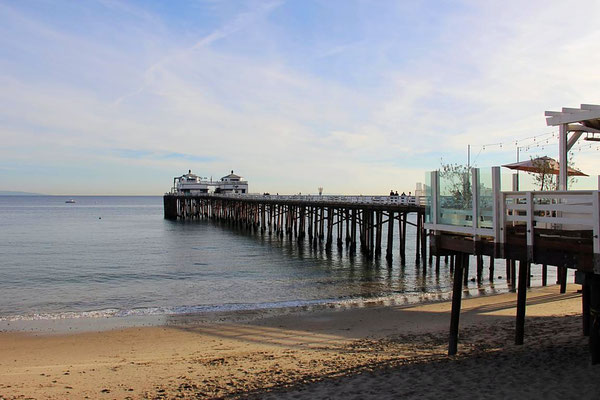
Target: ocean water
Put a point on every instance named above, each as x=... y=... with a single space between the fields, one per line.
x=117 y=256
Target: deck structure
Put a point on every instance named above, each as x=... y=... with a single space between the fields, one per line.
x=356 y=221
x=470 y=215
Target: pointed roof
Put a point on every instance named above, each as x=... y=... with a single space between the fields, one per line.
x=232 y=175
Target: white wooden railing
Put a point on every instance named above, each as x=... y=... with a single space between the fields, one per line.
x=560 y=210
x=383 y=200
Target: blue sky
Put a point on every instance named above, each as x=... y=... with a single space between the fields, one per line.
x=359 y=97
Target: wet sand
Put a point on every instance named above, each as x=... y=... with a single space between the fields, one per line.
x=373 y=352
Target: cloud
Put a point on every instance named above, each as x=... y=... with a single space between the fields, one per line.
x=358 y=110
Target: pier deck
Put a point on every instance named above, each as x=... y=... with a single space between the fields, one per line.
x=552 y=228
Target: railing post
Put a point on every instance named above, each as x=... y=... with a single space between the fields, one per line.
x=596 y=230
x=435 y=195
x=529 y=230
x=475 y=198
x=495 y=205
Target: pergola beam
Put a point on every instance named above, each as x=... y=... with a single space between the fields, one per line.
x=565 y=119
x=573 y=139
x=569 y=115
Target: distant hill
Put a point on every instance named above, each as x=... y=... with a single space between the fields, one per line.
x=9 y=193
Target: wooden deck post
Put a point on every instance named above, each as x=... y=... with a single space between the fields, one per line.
x=521 y=302
x=370 y=229
x=316 y=227
x=402 y=236
x=378 y=231
x=353 y=233
x=563 y=279
x=340 y=228
x=390 y=237
x=513 y=274
x=585 y=304
x=479 y=268
x=465 y=267
x=322 y=224
x=418 y=239
x=544 y=274
x=421 y=216
x=348 y=237
x=329 y=228
x=595 y=318
x=310 y=224
x=456 y=300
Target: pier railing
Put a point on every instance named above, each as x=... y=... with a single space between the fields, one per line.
x=476 y=209
x=395 y=200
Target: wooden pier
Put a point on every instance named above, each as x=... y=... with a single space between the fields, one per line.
x=354 y=221
x=550 y=228
x=470 y=215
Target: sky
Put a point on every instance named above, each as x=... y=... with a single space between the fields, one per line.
x=357 y=97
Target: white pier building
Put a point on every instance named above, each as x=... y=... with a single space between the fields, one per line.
x=193 y=184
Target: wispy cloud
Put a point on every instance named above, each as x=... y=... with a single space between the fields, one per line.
x=154 y=155
x=294 y=95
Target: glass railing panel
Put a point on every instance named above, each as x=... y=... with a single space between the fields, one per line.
x=455 y=200
x=486 y=199
x=429 y=196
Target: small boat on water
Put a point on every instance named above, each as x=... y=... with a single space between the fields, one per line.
x=70 y=201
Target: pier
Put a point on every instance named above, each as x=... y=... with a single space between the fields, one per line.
x=356 y=222
x=469 y=215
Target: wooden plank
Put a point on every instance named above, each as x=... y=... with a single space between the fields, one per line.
x=590 y=107
x=568 y=117
x=460 y=229
x=579 y=209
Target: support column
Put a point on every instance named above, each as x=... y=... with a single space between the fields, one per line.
x=521 y=301
x=378 y=230
x=595 y=318
x=402 y=238
x=585 y=304
x=418 y=244
x=390 y=238
x=329 y=228
x=456 y=300
x=544 y=275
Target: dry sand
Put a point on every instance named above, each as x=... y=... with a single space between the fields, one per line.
x=378 y=352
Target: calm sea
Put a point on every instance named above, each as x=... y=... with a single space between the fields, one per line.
x=117 y=256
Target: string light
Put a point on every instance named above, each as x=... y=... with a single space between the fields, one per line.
x=524 y=142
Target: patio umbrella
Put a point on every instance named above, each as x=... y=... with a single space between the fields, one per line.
x=549 y=166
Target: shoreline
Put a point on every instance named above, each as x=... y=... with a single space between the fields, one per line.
x=189 y=357
x=113 y=319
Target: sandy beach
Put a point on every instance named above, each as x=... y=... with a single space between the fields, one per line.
x=372 y=352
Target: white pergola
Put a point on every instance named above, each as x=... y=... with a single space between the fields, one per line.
x=576 y=121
